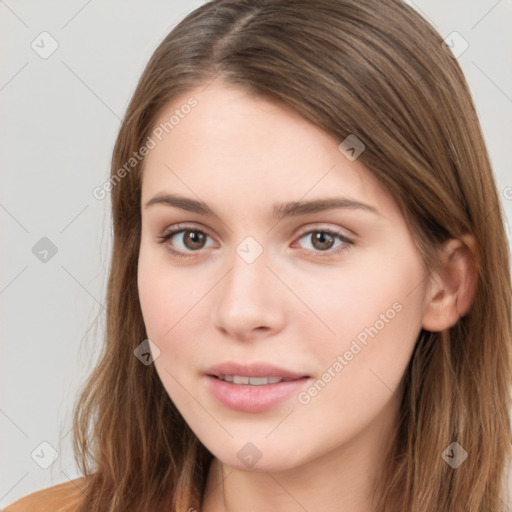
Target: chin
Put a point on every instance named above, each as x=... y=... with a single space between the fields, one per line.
x=247 y=456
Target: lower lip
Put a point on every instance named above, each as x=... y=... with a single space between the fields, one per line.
x=248 y=398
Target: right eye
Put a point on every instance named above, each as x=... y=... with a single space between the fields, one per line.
x=192 y=239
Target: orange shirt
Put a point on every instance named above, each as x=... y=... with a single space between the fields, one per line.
x=57 y=498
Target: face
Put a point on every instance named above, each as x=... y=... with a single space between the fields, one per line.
x=333 y=295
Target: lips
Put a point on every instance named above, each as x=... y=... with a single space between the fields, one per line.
x=248 y=398
x=261 y=370
x=248 y=387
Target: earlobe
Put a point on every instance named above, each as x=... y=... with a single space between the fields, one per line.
x=452 y=285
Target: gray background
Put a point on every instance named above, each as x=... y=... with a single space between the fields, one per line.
x=60 y=116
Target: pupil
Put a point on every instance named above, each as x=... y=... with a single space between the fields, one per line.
x=322 y=237
x=194 y=237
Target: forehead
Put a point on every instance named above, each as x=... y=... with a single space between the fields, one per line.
x=234 y=146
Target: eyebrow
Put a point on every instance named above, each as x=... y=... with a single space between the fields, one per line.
x=280 y=210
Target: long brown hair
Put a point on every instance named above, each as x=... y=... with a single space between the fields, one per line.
x=375 y=69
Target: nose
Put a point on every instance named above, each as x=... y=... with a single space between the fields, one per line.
x=249 y=300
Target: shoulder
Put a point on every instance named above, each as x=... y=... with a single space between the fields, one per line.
x=57 y=498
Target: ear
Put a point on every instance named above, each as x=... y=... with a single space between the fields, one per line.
x=452 y=284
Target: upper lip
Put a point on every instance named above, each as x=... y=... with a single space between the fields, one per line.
x=252 y=370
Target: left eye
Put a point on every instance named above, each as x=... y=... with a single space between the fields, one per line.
x=323 y=240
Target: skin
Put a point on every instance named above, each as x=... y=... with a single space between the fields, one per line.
x=292 y=306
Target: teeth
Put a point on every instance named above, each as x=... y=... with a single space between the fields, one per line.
x=254 y=381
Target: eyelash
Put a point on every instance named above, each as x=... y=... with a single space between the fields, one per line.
x=324 y=254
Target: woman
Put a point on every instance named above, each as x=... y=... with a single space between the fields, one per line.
x=309 y=304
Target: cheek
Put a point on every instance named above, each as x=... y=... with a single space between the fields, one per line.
x=376 y=295
x=154 y=301
x=360 y=369
x=171 y=303
x=164 y=310
x=159 y=300
x=376 y=318
x=373 y=310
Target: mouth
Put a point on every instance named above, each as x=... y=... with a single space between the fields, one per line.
x=253 y=373
x=253 y=394
x=253 y=381
x=253 y=387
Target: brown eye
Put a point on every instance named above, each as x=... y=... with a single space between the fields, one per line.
x=322 y=240
x=325 y=242
x=187 y=241
x=193 y=240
